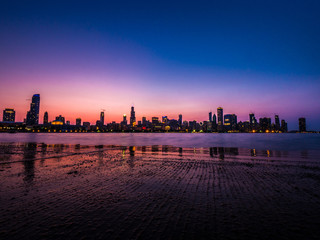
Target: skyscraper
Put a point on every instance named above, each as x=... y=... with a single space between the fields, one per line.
x=214 y=119
x=45 y=118
x=102 y=118
x=78 y=122
x=33 y=113
x=132 y=117
x=210 y=116
x=9 y=115
x=302 y=125
x=284 y=126
x=277 y=122
x=124 y=120
x=180 y=119
x=252 y=119
x=144 y=121
x=230 y=122
x=220 y=118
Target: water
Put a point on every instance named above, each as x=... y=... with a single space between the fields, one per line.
x=159 y=186
x=285 y=142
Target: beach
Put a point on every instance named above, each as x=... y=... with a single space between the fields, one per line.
x=78 y=191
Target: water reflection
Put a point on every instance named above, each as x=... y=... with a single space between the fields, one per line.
x=29 y=154
x=180 y=151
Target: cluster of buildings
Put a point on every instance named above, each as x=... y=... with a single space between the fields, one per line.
x=216 y=123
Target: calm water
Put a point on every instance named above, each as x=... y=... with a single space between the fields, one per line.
x=287 y=142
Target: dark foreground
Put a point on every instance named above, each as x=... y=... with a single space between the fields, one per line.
x=158 y=192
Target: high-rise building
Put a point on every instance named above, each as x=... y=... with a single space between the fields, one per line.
x=124 y=119
x=265 y=124
x=33 y=113
x=277 y=122
x=132 y=117
x=45 y=118
x=144 y=121
x=102 y=118
x=284 y=126
x=302 y=125
x=78 y=122
x=180 y=119
x=220 y=118
x=214 y=119
x=230 y=122
x=9 y=115
x=210 y=116
x=252 y=119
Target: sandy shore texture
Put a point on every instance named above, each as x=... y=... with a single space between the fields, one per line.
x=157 y=192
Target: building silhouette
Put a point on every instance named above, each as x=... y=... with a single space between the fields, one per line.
x=9 y=115
x=302 y=125
x=33 y=113
x=230 y=122
x=265 y=124
x=61 y=119
x=220 y=119
x=144 y=121
x=277 y=122
x=284 y=126
x=132 y=117
x=45 y=118
x=124 y=120
x=214 y=119
x=78 y=122
x=102 y=118
x=180 y=119
x=210 y=116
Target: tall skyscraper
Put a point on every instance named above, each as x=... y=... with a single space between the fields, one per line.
x=210 y=116
x=220 y=118
x=214 y=119
x=302 y=125
x=102 y=118
x=78 y=122
x=33 y=113
x=180 y=119
x=132 y=116
x=252 y=119
x=284 y=126
x=45 y=118
x=277 y=122
x=9 y=115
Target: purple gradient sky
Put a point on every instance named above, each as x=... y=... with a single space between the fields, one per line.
x=164 y=63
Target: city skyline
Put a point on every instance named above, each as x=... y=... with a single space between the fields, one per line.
x=186 y=59
x=218 y=122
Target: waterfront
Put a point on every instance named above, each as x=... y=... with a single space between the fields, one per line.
x=98 y=191
x=263 y=141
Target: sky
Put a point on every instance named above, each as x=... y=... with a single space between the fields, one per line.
x=166 y=58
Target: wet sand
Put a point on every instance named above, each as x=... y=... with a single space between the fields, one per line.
x=157 y=192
